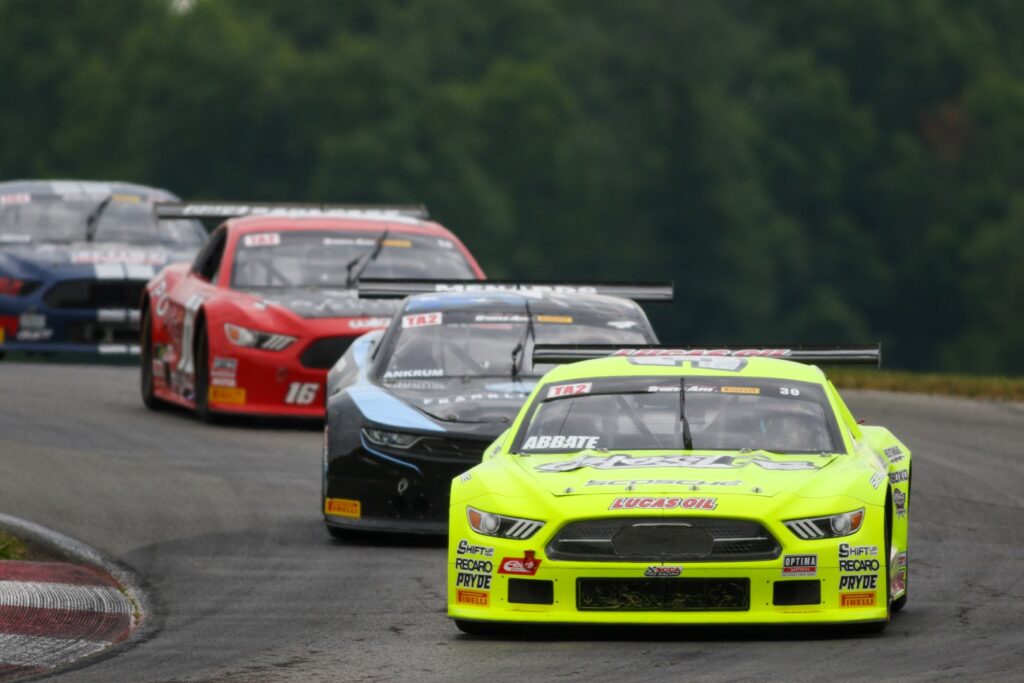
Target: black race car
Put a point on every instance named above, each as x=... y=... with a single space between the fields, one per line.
x=413 y=406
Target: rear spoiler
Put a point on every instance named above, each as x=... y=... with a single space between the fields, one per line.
x=166 y=210
x=393 y=289
x=867 y=354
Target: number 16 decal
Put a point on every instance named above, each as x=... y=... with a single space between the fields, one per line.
x=301 y=393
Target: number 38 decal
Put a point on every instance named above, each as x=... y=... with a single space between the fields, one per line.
x=301 y=393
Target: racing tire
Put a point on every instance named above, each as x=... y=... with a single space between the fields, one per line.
x=149 y=399
x=202 y=377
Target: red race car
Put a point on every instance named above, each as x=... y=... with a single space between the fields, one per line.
x=270 y=303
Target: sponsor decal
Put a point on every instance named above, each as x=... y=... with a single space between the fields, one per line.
x=224 y=367
x=126 y=198
x=899 y=501
x=223 y=382
x=799 y=565
x=847 y=550
x=465 y=476
x=232 y=395
x=670 y=388
x=523 y=566
x=569 y=389
x=560 y=319
x=422 y=319
x=624 y=461
x=662 y=571
x=703 y=363
x=499 y=318
x=445 y=244
x=10 y=238
x=869 y=565
x=858 y=582
x=343 y=507
x=623 y=324
x=876 y=479
x=660 y=482
x=16 y=198
x=367 y=323
x=474 y=598
x=893 y=453
x=348 y=242
x=422 y=372
x=764 y=353
x=34 y=335
x=899 y=577
x=3 y=334
x=33 y=321
x=262 y=239
x=402 y=244
x=899 y=476
x=473 y=573
x=470 y=580
x=857 y=600
x=740 y=390
x=130 y=256
x=483 y=396
x=466 y=548
x=560 y=441
x=663 y=503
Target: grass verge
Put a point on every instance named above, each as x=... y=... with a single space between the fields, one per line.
x=972 y=386
x=12 y=548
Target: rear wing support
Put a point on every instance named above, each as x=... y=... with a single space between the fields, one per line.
x=860 y=354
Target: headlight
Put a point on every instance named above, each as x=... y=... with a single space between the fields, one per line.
x=490 y=524
x=241 y=336
x=393 y=439
x=10 y=286
x=832 y=526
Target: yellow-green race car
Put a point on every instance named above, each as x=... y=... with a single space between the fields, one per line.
x=682 y=486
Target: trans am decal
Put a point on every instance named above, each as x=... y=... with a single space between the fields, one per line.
x=623 y=461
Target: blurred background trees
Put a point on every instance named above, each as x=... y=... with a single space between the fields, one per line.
x=804 y=171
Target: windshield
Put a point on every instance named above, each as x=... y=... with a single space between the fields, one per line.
x=647 y=414
x=318 y=258
x=475 y=344
x=127 y=218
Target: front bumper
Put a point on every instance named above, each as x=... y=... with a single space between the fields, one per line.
x=511 y=581
x=382 y=491
x=85 y=331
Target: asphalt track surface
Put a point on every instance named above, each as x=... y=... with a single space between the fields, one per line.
x=222 y=523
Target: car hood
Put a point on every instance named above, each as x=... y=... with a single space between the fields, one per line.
x=37 y=259
x=491 y=400
x=329 y=303
x=669 y=473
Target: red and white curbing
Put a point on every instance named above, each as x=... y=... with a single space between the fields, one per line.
x=53 y=613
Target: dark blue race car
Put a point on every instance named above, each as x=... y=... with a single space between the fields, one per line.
x=74 y=259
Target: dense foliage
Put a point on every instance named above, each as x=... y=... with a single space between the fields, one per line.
x=838 y=171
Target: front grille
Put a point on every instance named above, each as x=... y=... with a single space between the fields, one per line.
x=103 y=333
x=663 y=595
x=659 y=539
x=322 y=354
x=458 y=449
x=114 y=294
